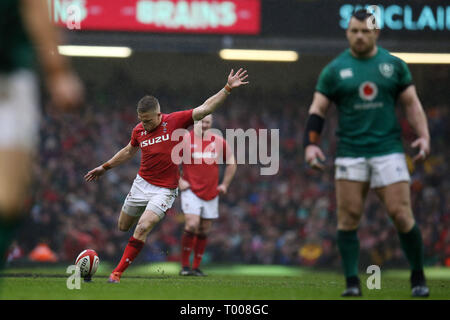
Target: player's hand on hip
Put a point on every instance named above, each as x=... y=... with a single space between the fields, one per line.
x=223 y=189
x=313 y=156
x=237 y=79
x=424 y=148
x=183 y=184
x=94 y=174
x=66 y=90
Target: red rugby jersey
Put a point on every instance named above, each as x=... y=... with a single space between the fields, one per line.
x=157 y=167
x=204 y=176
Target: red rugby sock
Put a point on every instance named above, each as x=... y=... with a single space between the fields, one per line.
x=131 y=251
x=187 y=243
x=199 y=249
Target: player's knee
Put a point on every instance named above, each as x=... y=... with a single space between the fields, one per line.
x=399 y=209
x=203 y=231
x=402 y=218
x=191 y=227
x=349 y=218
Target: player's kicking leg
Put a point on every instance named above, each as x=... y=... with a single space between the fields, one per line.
x=350 y=205
x=147 y=204
x=146 y=223
x=396 y=198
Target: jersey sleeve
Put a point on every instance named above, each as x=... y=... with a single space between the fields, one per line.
x=183 y=118
x=134 y=142
x=326 y=84
x=404 y=77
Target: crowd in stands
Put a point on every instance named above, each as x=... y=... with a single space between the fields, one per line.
x=288 y=218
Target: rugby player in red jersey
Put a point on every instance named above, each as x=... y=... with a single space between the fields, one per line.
x=200 y=190
x=156 y=185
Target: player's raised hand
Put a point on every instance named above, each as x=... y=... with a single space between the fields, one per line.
x=312 y=156
x=237 y=79
x=424 y=148
x=94 y=174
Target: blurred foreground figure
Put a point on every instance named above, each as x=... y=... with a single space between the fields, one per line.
x=365 y=82
x=26 y=35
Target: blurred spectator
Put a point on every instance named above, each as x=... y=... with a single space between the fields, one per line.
x=15 y=252
x=42 y=253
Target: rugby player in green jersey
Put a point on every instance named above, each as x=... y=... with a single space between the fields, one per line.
x=26 y=35
x=365 y=82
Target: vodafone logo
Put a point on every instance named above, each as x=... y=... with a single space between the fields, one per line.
x=368 y=91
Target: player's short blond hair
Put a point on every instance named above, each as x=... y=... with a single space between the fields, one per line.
x=148 y=104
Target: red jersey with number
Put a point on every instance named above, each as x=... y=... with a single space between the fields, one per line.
x=157 y=167
x=205 y=156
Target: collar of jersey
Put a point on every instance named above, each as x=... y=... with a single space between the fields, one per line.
x=159 y=125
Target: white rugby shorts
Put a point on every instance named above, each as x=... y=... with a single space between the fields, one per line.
x=380 y=171
x=192 y=204
x=145 y=196
x=19 y=111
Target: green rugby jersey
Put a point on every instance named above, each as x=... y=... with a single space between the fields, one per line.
x=16 y=51
x=365 y=93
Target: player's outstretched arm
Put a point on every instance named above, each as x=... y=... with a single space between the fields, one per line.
x=208 y=107
x=120 y=157
x=313 y=129
x=418 y=120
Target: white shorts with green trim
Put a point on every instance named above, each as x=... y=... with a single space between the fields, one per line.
x=145 y=196
x=380 y=171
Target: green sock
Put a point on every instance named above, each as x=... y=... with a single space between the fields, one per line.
x=348 y=244
x=412 y=245
x=7 y=232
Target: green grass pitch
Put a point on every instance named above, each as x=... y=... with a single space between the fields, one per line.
x=160 y=281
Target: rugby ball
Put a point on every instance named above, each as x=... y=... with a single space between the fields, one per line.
x=87 y=261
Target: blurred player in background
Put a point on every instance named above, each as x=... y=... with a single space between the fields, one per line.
x=200 y=190
x=365 y=82
x=26 y=33
x=156 y=185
